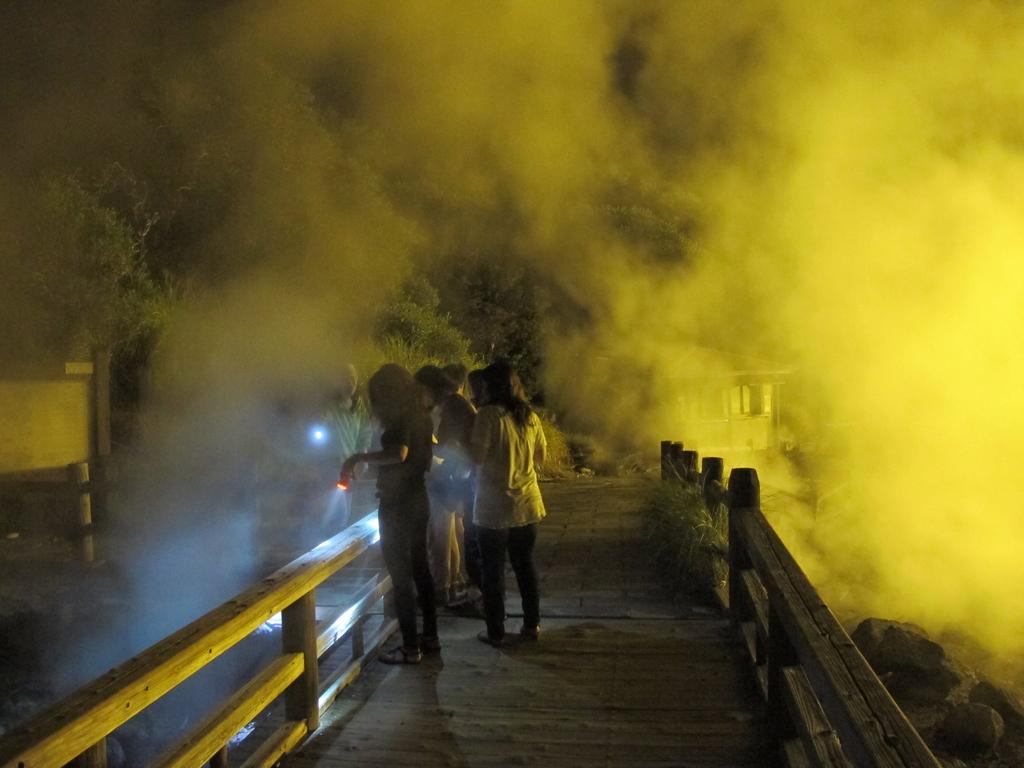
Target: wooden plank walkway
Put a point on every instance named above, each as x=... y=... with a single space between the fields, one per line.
x=620 y=677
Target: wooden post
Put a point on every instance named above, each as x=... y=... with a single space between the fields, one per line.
x=101 y=426
x=780 y=656
x=80 y=476
x=674 y=455
x=358 y=640
x=666 y=459
x=94 y=757
x=689 y=464
x=744 y=494
x=220 y=760
x=298 y=632
x=712 y=475
x=101 y=401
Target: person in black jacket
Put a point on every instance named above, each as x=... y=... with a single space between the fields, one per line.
x=404 y=458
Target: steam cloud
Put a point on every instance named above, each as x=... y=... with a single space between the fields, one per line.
x=845 y=179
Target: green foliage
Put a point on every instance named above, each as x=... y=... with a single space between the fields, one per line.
x=558 y=462
x=663 y=236
x=395 y=350
x=689 y=541
x=498 y=305
x=652 y=219
x=87 y=280
x=414 y=331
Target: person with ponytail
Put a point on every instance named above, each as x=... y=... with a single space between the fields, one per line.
x=507 y=445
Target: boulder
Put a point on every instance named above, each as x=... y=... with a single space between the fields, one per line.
x=1002 y=700
x=869 y=633
x=971 y=729
x=913 y=667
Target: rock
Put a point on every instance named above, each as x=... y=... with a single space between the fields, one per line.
x=913 y=667
x=971 y=729
x=1002 y=700
x=870 y=635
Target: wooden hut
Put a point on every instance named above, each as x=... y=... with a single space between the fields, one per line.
x=730 y=403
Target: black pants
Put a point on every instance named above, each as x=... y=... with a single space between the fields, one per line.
x=519 y=542
x=403 y=542
x=471 y=549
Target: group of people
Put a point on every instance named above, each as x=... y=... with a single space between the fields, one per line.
x=457 y=475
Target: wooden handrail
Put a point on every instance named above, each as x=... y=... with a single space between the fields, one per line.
x=826 y=704
x=81 y=721
x=210 y=736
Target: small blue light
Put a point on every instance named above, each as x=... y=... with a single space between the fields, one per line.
x=317 y=435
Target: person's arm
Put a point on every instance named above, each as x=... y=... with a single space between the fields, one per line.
x=364 y=436
x=480 y=441
x=389 y=454
x=394 y=450
x=540 y=449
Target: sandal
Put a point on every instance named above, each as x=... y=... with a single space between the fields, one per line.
x=430 y=644
x=400 y=655
x=496 y=642
x=530 y=633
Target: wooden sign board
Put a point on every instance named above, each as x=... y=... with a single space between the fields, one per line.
x=47 y=421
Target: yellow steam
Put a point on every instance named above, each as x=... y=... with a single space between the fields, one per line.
x=853 y=174
x=893 y=224
x=848 y=176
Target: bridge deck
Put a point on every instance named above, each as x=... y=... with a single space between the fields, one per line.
x=622 y=676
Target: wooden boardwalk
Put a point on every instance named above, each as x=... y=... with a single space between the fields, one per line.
x=622 y=676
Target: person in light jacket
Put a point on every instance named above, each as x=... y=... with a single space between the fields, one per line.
x=507 y=445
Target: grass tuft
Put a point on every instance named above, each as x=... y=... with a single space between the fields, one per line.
x=688 y=540
x=558 y=463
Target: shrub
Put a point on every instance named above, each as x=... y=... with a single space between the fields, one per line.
x=414 y=326
x=689 y=541
x=498 y=304
x=81 y=277
x=559 y=458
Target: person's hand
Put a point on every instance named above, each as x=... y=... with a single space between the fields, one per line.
x=348 y=472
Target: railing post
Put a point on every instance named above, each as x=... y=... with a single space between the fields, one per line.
x=675 y=454
x=780 y=655
x=80 y=477
x=298 y=633
x=358 y=640
x=100 y=449
x=744 y=495
x=101 y=402
x=689 y=465
x=94 y=757
x=712 y=471
x=666 y=459
x=220 y=760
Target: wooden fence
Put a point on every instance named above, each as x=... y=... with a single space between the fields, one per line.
x=825 y=703
x=82 y=484
x=77 y=726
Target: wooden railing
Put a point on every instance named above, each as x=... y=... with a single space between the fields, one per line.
x=77 y=726
x=825 y=703
x=79 y=484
